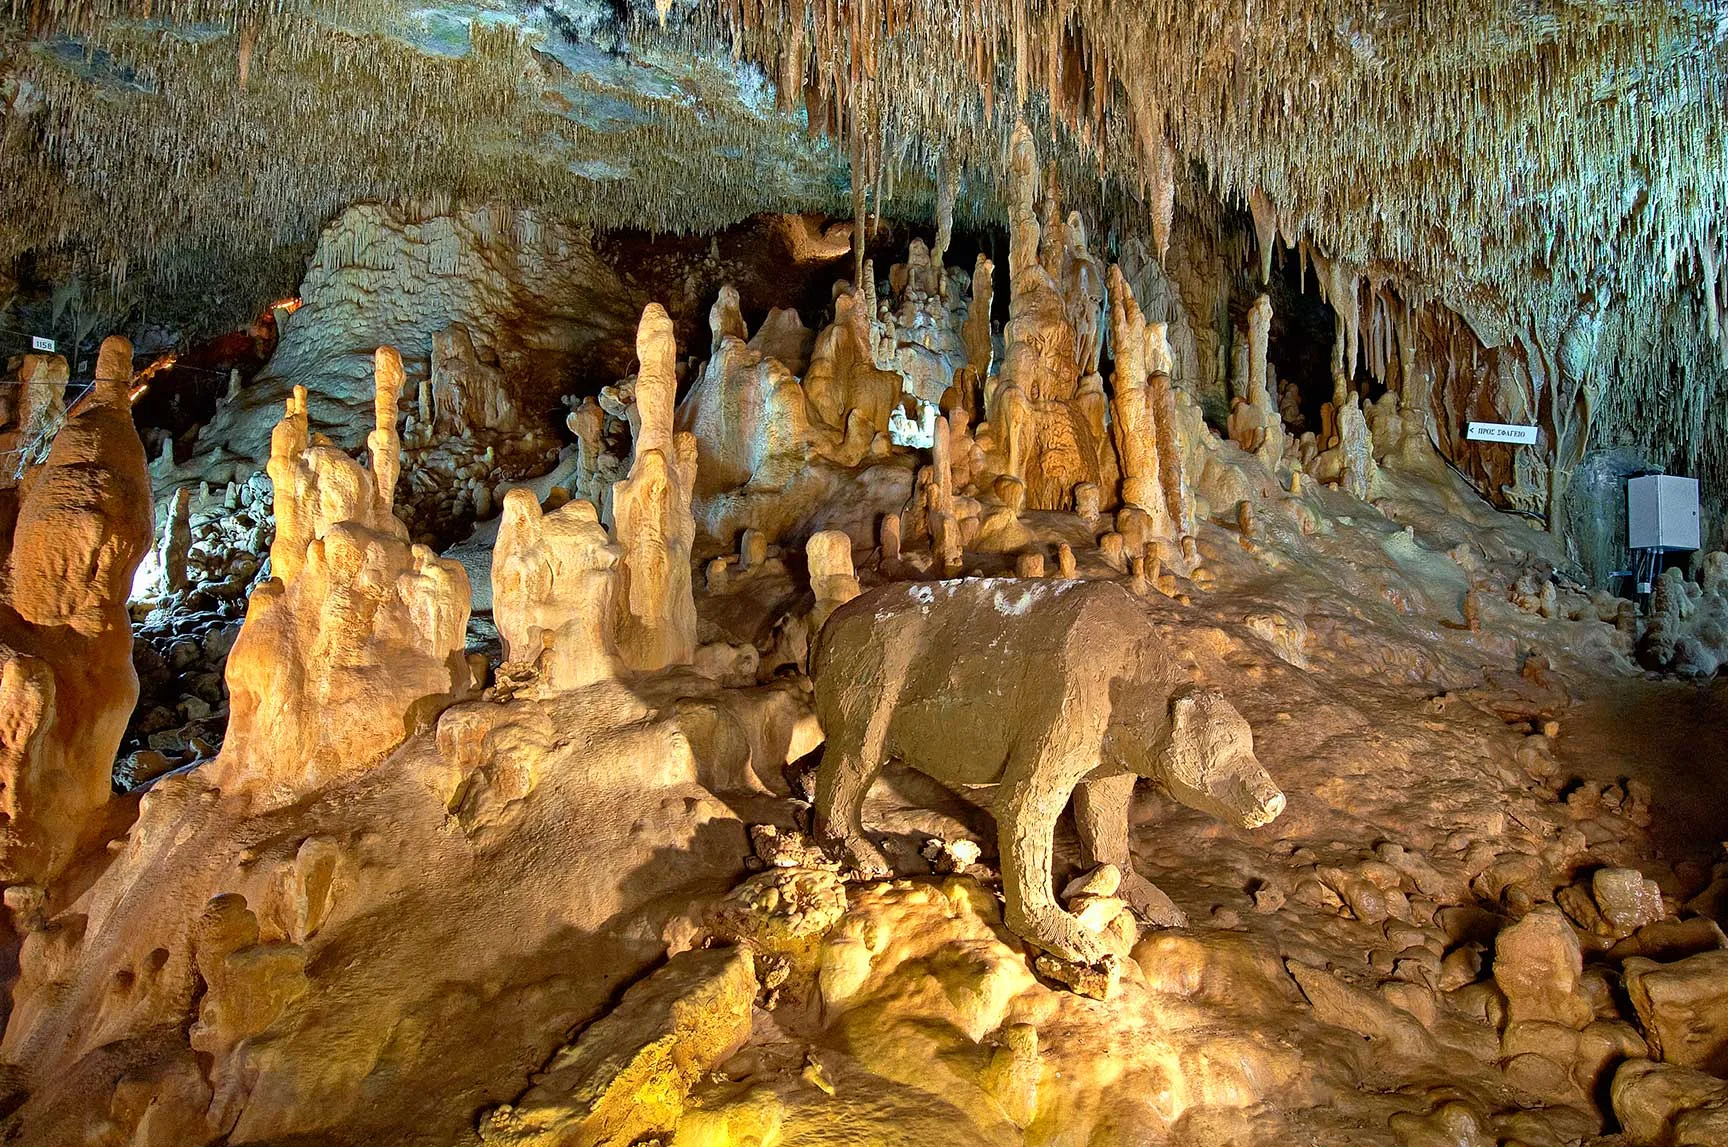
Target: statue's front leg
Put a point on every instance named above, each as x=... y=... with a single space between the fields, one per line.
x=1101 y=817
x=1026 y=827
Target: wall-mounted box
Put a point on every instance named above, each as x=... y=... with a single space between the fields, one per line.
x=1662 y=513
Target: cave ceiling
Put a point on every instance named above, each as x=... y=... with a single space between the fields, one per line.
x=1555 y=172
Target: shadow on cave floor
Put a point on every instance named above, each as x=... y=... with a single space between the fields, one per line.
x=1669 y=734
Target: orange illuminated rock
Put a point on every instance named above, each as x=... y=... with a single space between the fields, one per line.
x=553 y=587
x=358 y=638
x=83 y=523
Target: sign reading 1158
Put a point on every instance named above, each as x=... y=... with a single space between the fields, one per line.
x=1501 y=432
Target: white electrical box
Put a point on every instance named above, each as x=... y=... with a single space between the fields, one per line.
x=1662 y=513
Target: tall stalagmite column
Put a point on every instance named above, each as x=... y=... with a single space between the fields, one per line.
x=384 y=443
x=1136 y=439
x=358 y=637
x=67 y=685
x=1259 y=389
x=651 y=517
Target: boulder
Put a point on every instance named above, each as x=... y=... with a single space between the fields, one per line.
x=1683 y=1008
x=1659 y=1103
x=1538 y=964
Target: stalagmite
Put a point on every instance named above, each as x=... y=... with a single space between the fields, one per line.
x=1113 y=548
x=384 y=444
x=1255 y=422
x=725 y=320
x=888 y=537
x=553 y=578
x=652 y=521
x=1179 y=498
x=832 y=578
x=1045 y=439
x=66 y=678
x=1259 y=329
x=357 y=639
x=1351 y=462
x=750 y=420
x=1359 y=468
x=42 y=396
x=843 y=380
x=176 y=541
x=975 y=332
x=587 y=422
x=1136 y=439
x=1001 y=528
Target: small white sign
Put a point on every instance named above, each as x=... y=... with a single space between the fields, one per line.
x=1501 y=432
x=37 y=342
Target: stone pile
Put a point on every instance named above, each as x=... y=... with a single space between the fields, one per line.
x=187 y=604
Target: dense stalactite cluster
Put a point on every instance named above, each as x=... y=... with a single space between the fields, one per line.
x=1571 y=215
x=142 y=155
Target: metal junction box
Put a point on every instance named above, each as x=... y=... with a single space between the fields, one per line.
x=1662 y=513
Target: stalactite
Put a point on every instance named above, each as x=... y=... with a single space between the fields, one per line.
x=1265 y=230
x=1559 y=169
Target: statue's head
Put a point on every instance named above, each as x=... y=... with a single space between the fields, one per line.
x=1207 y=761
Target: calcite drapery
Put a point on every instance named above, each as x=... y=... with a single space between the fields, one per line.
x=652 y=522
x=83 y=523
x=358 y=637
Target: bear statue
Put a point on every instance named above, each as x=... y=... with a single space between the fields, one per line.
x=1044 y=690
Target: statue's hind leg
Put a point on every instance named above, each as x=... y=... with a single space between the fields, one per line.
x=850 y=765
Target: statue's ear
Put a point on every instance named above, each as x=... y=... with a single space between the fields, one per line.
x=1190 y=708
x=1187 y=703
